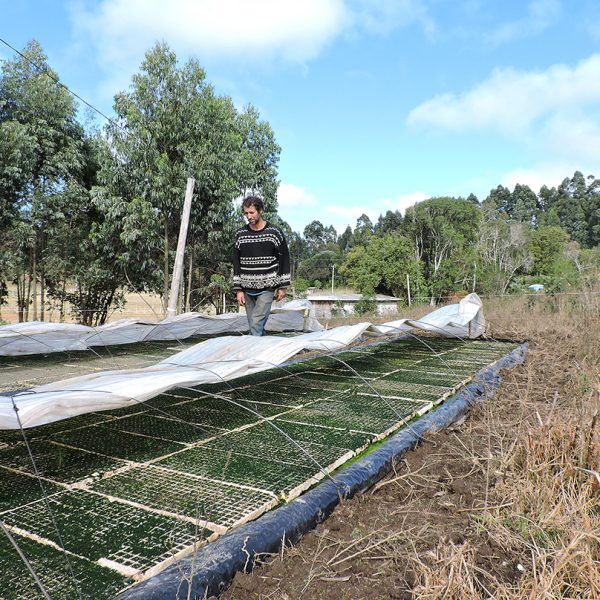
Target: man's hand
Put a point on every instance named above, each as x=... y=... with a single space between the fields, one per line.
x=279 y=294
x=240 y=298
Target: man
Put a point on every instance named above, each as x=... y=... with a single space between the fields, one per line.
x=261 y=265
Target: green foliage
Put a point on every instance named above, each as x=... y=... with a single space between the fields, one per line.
x=443 y=232
x=41 y=154
x=84 y=218
x=346 y=240
x=337 y=308
x=318 y=237
x=172 y=126
x=546 y=245
x=363 y=231
x=573 y=206
x=388 y=223
x=383 y=265
x=217 y=291
x=366 y=305
x=319 y=266
x=300 y=285
x=358 y=270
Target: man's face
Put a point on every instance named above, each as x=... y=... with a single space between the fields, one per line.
x=252 y=215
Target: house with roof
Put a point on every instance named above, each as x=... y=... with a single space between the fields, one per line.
x=326 y=305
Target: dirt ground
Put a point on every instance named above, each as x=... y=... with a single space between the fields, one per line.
x=503 y=505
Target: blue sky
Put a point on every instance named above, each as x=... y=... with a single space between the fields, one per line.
x=377 y=104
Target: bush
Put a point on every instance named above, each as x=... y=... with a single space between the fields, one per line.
x=365 y=305
x=337 y=309
x=301 y=285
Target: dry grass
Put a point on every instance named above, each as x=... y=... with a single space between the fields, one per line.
x=505 y=505
x=542 y=503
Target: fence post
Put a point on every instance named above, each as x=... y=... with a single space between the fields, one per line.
x=178 y=266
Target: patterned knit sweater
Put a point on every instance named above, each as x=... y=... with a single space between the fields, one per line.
x=261 y=259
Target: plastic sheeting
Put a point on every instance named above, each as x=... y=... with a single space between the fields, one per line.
x=212 y=361
x=43 y=338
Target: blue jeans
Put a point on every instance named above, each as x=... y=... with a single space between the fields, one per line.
x=258 y=308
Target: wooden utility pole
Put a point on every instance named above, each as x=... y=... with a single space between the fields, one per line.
x=178 y=266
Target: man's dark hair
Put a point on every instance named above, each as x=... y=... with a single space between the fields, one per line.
x=255 y=201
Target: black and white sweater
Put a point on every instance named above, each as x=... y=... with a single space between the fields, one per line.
x=261 y=259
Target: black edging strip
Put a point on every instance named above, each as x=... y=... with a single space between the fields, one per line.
x=213 y=567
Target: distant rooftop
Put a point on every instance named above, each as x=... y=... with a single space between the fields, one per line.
x=348 y=298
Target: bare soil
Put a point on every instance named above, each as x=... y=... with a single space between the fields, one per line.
x=496 y=506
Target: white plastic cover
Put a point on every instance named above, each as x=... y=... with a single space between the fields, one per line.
x=212 y=361
x=43 y=338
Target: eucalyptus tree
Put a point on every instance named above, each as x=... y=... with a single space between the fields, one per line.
x=171 y=125
x=319 y=237
x=524 y=204
x=40 y=151
x=16 y=165
x=502 y=251
x=363 y=230
x=443 y=232
x=391 y=221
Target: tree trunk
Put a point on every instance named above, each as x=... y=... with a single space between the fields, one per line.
x=42 y=276
x=34 y=276
x=62 y=302
x=180 y=296
x=165 y=297
x=26 y=298
x=42 y=295
x=188 y=295
x=20 y=294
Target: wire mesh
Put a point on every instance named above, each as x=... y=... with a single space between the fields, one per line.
x=96 y=528
x=16 y=583
x=213 y=502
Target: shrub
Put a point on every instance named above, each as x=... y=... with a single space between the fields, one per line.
x=365 y=305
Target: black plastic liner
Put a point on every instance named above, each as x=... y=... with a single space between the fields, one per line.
x=213 y=567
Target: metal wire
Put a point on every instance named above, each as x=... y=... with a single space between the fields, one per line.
x=24 y=558
x=46 y=501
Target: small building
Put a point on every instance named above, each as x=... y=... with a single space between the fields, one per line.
x=326 y=306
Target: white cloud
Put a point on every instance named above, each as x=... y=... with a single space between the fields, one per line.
x=295 y=30
x=299 y=207
x=383 y=16
x=511 y=100
x=554 y=113
x=291 y=196
x=403 y=202
x=241 y=30
x=548 y=174
x=541 y=14
x=574 y=135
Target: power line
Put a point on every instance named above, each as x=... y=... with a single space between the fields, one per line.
x=43 y=71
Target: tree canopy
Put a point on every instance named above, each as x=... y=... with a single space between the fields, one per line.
x=88 y=215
